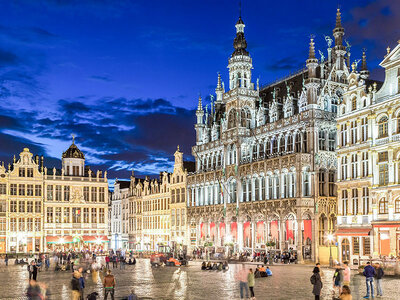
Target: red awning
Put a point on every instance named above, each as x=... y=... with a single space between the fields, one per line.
x=59 y=239
x=95 y=238
x=357 y=231
x=386 y=224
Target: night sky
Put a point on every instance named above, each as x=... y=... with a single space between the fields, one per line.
x=124 y=76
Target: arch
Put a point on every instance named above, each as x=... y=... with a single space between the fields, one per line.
x=232 y=118
x=245 y=117
x=383 y=126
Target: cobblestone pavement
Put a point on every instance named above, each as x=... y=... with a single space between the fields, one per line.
x=287 y=282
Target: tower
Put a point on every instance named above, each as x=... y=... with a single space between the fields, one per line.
x=219 y=91
x=364 y=69
x=312 y=82
x=240 y=63
x=339 y=49
x=73 y=160
x=199 y=127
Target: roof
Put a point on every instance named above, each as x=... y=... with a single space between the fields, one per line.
x=73 y=152
x=123 y=184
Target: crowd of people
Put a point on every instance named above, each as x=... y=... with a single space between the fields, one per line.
x=341 y=281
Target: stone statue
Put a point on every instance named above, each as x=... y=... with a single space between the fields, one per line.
x=356 y=62
x=322 y=56
x=328 y=40
x=273 y=94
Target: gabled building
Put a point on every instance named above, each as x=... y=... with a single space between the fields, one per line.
x=368 y=156
x=119 y=234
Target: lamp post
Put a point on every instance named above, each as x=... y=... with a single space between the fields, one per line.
x=330 y=239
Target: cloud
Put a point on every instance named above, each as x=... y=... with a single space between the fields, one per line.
x=287 y=63
x=100 y=78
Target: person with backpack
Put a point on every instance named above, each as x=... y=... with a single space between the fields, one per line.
x=317 y=283
x=337 y=280
x=378 y=277
x=369 y=273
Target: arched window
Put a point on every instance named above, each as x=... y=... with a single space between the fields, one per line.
x=274 y=146
x=323 y=225
x=232 y=118
x=344 y=168
x=304 y=150
x=345 y=203
x=383 y=127
x=397 y=206
x=244 y=190
x=297 y=143
x=322 y=140
x=398 y=123
x=383 y=206
x=354 y=103
x=355 y=201
x=306 y=183
x=245 y=118
x=256 y=189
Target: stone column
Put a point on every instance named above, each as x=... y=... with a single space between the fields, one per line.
x=299 y=240
x=240 y=235
x=253 y=236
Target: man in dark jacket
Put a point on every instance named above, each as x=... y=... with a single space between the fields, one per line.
x=75 y=286
x=369 y=273
x=81 y=282
x=33 y=270
x=378 y=277
x=109 y=285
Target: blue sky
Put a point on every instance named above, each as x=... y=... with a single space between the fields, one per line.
x=124 y=76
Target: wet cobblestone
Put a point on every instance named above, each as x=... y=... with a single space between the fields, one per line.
x=287 y=282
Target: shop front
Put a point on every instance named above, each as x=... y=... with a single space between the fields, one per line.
x=387 y=235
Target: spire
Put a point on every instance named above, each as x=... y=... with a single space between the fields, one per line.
x=239 y=43
x=338 y=18
x=311 y=52
x=199 y=106
x=219 y=90
x=364 y=61
x=219 y=84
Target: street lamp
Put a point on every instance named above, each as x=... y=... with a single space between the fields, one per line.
x=330 y=240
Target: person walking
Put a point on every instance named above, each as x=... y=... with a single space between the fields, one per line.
x=369 y=273
x=75 y=285
x=337 y=280
x=346 y=293
x=250 y=282
x=317 y=283
x=378 y=277
x=109 y=285
x=6 y=259
x=108 y=262
x=33 y=270
x=346 y=274
x=241 y=276
x=81 y=283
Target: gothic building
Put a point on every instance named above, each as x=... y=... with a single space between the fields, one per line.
x=265 y=157
x=369 y=169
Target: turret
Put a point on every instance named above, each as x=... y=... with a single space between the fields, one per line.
x=312 y=82
x=219 y=91
x=312 y=62
x=199 y=127
x=73 y=160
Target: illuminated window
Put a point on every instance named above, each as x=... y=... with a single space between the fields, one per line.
x=383 y=127
x=383 y=206
x=397 y=206
x=383 y=174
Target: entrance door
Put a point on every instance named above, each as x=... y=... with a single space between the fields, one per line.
x=345 y=250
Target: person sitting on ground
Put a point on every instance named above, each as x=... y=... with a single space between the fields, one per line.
x=346 y=293
x=257 y=272
x=203 y=266
x=208 y=266
x=262 y=271
x=132 y=296
x=214 y=267
x=268 y=271
x=225 y=266
x=58 y=267
x=220 y=266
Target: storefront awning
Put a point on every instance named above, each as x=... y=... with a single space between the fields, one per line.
x=66 y=239
x=386 y=224
x=356 y=231
x=95 y=239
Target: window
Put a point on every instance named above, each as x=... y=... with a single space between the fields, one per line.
x=21 y=172
x=86 y=193
x=353 y=130
x=321 y=176
x=274 y=146
x=270 y=187
x=382 y=156
x=398 y=118
x=57 y=215
x=29 y=172
x=3 y=188
x=101 y=194
x=13 y=206
x=263 y=189
x=397 y=206
x=86 y=215
x=183 y=216
x=94 y=194
x=3 y=225
x=332 y=183
x=297 y=142
x=178 y=198
x=38 y=190
x=244 y=190
x=365 y=200
x=383 y=127
x=49 y=215
x=50 y=192
x=172 y=217
x=356 y=245
x=38 y=207
x=344 y=168
x=383 y=174
x=66 y=192
x=178 y=217
x=29 y=206
x=383 y=206
x=58 y=192
x=13 y=189
x=182 y=194
x=21 y=206
x=277 y=187
x=21 y=189
x=355 y=201
x=29 y=190
x=21 y=224
x=343 y=134
x=332 y=141
x=76 y=215
x=364 y=129
x=66 y=215
x=101 y=215
x=366 y=246
x=354 y=166
x=94 y=215
x=13 y=224
x=256 y=189
x=75 y=170
x=321 y=140
x=364 y=163
x=282 y=144
x=306 y=185
x=354 y=103
x=345 y=203
x=37 y=224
